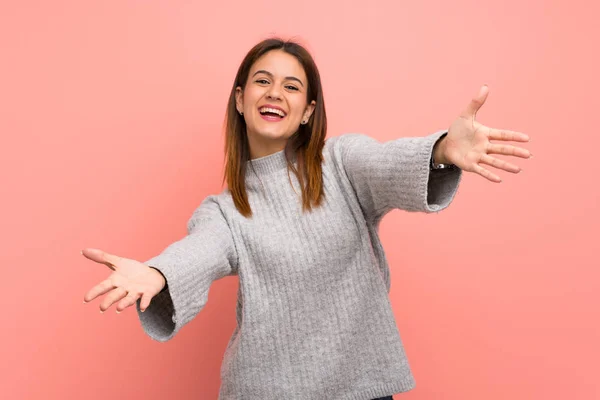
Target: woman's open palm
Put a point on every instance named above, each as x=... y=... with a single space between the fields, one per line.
x=468 y=143
x=129 y=281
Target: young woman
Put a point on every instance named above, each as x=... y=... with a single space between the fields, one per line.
x=298 y=223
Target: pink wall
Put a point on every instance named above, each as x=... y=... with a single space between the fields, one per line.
x=110 y=116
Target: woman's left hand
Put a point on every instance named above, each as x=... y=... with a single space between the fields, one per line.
x=468 y=143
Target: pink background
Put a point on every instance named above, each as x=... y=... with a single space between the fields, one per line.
x=111 y=115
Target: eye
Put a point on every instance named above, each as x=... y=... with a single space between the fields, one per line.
x=292 y=87
x=261 y=81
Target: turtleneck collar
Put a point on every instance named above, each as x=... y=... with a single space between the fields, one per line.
x=267 y=165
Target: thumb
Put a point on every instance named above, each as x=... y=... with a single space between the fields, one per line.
x=101 y=257
x=471 y=111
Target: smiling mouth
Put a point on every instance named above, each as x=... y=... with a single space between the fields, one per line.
x=269 y=113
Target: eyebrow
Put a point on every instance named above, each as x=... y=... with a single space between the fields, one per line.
x=289 y=78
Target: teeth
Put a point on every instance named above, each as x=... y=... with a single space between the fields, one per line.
x=273 y=110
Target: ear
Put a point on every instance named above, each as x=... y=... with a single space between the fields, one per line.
x=239 y=99
x=309 y=110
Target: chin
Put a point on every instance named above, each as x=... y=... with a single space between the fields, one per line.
x=273 y=135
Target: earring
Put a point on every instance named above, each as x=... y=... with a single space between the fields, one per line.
x=241 y=113
x=303 y=122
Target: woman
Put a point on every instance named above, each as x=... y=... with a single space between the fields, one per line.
x=313 y=315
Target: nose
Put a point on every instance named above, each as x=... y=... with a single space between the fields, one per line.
x=274 y=93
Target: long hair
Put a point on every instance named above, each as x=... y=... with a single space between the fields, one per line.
x=306 y=144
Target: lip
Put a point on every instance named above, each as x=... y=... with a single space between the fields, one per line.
x=271 y=118
x=275 y=107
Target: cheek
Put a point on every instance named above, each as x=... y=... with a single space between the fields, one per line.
x=251 y=98
x=298 y=108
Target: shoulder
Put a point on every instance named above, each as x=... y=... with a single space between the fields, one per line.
x=345 y=139
x=337 y=147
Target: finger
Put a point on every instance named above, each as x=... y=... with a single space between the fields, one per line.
x=145 y=302
x=508 y=150
x=486 y=174
x=115 y=295
x=101 y=257
x=476 y=102
x=511 y=136
x=101 y=288
x=497 y=163
x=128 y=301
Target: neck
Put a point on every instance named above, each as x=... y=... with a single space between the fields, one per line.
x=261 y=147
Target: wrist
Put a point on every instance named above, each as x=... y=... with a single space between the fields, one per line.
x=439 y=151
x=163 y=279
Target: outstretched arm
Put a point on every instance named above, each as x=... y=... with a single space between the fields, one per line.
x=395 y=174
x=189 y=266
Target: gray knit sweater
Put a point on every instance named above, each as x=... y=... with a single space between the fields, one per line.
x=314 y=319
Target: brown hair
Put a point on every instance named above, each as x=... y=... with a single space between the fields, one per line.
x=306 y=144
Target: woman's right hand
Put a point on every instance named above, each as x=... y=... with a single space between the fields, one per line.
x=129 y=281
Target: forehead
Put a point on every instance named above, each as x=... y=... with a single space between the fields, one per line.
x=280 y=64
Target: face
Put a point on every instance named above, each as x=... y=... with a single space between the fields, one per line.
x=274 y=102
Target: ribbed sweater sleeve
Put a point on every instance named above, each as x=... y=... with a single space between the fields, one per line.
x=395 y=174
x=190 y=265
